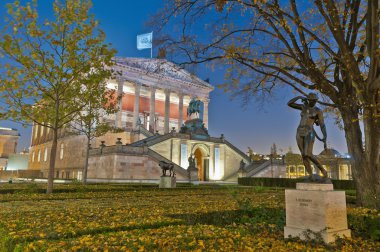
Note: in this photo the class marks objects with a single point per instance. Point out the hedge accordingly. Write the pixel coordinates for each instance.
(291, 183)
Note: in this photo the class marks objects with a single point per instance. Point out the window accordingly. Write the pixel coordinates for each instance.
(292, 169)
(42, 130)
(79, 176)
(45, 154)
(35, 130)
(39, 156)
(61, 151)
(301, 170)
(147, 121)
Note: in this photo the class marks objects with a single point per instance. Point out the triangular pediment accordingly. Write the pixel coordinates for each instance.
(162, 67)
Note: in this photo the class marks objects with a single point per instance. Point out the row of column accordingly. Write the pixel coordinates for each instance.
(152, 108)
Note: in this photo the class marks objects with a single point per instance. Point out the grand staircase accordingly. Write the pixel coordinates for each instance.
(141, 147)
(152, 140)
(251, 169)
(256, 166)
(141, 129)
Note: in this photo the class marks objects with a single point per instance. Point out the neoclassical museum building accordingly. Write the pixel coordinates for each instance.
(155, 126)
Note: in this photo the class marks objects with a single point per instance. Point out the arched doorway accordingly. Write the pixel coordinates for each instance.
(202, 163)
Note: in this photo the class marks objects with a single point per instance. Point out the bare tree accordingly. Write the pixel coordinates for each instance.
(329, 46)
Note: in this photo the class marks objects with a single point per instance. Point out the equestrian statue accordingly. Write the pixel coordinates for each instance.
(194, 107)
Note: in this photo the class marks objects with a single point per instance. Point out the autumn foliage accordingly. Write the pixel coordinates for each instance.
(145, 218)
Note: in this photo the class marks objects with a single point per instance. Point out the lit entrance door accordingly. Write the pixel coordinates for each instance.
(202, 163)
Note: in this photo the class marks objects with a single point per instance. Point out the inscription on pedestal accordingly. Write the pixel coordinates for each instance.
(317, 209)
(303, 202)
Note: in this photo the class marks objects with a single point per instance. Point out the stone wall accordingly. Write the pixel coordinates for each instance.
(124, 166)
(6, 175)
(69, 160)
(232, 161)
(8, 145)
(164, 149)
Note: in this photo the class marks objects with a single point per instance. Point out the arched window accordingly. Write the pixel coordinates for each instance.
(292, 169)
(61, 151)
(45, 154)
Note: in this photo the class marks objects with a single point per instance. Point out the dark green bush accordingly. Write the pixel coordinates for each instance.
(291, 183)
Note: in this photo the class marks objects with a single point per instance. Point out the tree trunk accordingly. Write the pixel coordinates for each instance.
(371, 196)
(53, 154)
(84, 180)
(365, 166)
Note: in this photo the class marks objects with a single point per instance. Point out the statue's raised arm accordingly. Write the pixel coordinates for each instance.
(292, 103)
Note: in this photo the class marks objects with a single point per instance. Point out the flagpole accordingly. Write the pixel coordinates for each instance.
(151, 48)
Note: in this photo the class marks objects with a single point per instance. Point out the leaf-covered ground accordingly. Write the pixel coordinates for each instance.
(145, 218)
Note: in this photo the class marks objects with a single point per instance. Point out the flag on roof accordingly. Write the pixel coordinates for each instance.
(144, 41)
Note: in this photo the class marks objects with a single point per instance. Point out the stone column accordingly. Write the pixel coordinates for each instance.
(118, 122)
(180, 111)
(136, 106)
(167, 111)
(152, 110)
(205, 112)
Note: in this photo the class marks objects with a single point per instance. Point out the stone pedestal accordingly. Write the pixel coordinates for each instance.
(193, 174)
(318, 208)
(167, 182)
(194, 126)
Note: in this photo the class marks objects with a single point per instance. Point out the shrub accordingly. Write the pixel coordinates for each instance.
(291, 183)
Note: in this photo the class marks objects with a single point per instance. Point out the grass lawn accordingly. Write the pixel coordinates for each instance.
(145, 218)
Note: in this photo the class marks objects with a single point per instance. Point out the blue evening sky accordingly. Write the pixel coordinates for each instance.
(257, 126)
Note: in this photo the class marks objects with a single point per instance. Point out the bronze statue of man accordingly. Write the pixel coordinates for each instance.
(310, 115)
(194, 107)
(191, 162)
